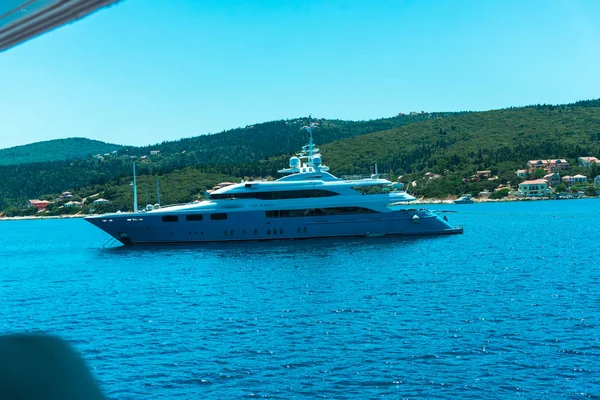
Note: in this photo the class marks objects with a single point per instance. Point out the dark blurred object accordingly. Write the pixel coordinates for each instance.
(43, 367)
(24, 19)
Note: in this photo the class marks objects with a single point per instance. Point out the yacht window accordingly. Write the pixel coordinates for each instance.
(378, 189)
(218, 216)
(170, 218)
(314, 212)
(193, 217)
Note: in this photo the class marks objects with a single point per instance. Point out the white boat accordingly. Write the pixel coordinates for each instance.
(466, 199)
(308, 202)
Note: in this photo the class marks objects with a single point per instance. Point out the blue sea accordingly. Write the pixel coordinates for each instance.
(509, 309)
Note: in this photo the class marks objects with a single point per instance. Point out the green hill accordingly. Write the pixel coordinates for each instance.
(476, 141)
(261, 140)
(238, 152)
(453, 145)
(53, 150)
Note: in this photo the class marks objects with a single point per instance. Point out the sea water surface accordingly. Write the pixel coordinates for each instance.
(509, 309)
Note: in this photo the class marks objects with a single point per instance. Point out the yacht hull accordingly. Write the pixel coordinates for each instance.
(153, 228)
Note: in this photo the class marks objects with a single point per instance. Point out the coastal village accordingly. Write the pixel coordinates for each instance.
(544, 179)
(65, 201)
(555, 182)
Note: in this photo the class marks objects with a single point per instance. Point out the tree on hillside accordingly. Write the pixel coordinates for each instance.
(561, 187)
(590, 191)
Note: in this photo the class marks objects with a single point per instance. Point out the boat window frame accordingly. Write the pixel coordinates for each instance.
(276, 194)
(320, 212)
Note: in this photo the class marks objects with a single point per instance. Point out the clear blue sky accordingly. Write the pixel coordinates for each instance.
(146, 71)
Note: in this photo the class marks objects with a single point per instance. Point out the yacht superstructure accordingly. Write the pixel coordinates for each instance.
(308, 202)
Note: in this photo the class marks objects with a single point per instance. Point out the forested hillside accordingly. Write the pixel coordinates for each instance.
(475, 141)
(232, 151)
(451, 145)
(54, 150)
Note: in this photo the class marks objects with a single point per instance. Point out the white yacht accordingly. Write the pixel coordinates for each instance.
(308, 202)
(466, 199)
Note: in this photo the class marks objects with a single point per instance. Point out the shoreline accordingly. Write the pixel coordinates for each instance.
(35, 217)
(487, 200)
(481, 200)
(417, 201)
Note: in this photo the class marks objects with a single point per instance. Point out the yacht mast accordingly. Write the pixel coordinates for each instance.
(310, 141)
(135, 207)
(157, 191)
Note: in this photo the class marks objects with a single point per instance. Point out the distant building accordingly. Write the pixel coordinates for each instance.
(154, 152)
(522, 173)
(73, 204)
(39, 204)
(553, 178)
(101, 201)
(532, 165)
(484, 174)
(568, 180)
(558, 165)
(554, 165)
(534, 188)
(66, 195)
(587, 161)
(579, 179)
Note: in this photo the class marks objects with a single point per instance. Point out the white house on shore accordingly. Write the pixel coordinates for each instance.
(568, 180)
(580, 179)
(101, 201)
(534, 188)
(73, 204)
(522, 173)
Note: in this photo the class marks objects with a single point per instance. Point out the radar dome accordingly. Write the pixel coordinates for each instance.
(316, 161)
(294, 162)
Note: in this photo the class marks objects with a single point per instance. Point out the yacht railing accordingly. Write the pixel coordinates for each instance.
(360, 177)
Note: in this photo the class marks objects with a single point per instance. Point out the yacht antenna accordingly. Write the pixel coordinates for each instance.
(157, 191)
(135, 208)
(310, 141)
